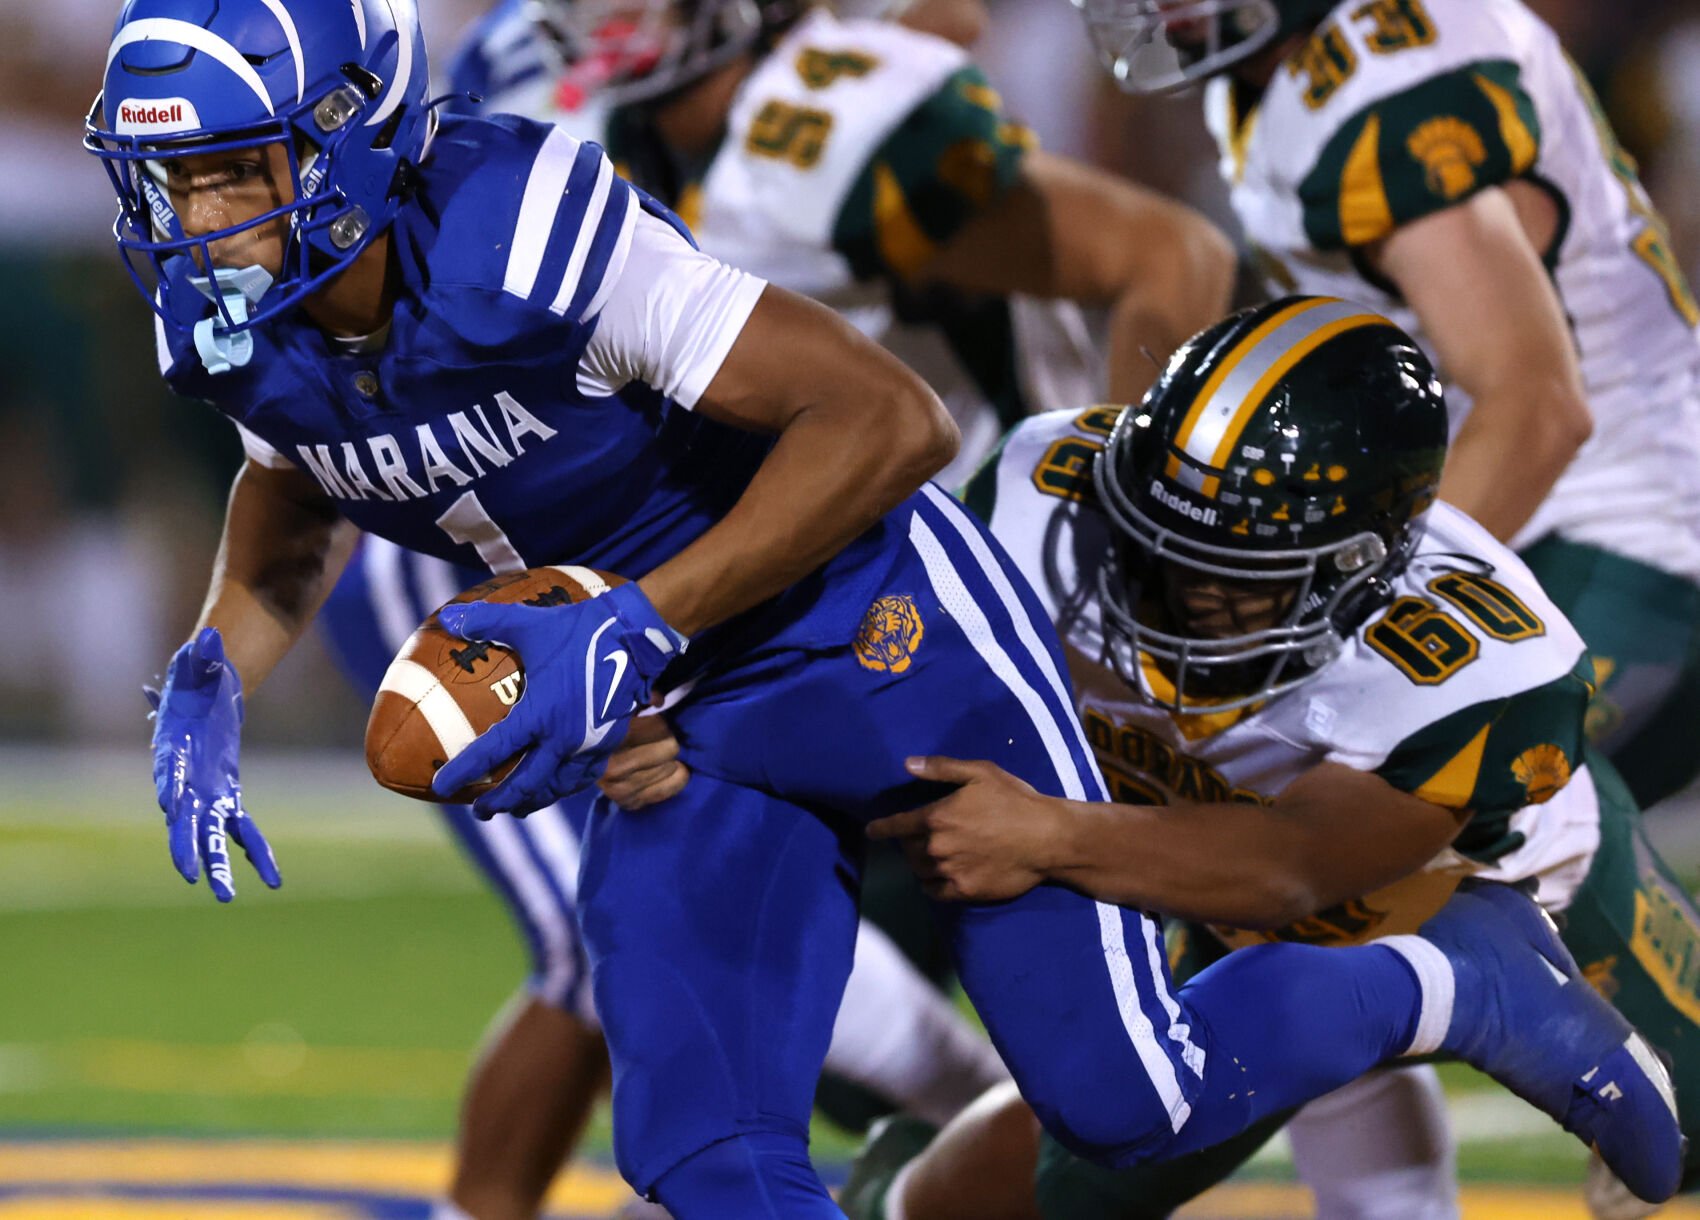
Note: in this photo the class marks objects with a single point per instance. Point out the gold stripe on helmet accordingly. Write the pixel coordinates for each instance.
(1230, 361)
(1242, 383)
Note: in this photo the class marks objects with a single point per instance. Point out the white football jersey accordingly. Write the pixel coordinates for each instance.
(851, 152)
(1398, 108)
(776, 216)
(1467, 690)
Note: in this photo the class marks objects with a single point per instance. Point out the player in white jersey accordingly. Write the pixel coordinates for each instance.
(1445, 163)
(1318, 729)
(869, 165)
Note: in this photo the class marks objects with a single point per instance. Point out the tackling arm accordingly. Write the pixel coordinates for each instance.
(1066, 230)
(1334, 834)
(284, 545)
(1473, 274)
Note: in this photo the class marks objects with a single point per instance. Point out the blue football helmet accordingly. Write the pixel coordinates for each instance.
(339, 84)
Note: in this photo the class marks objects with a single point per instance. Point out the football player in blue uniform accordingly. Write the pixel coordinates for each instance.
(544, 1066)
(468, 337)
(901, 110)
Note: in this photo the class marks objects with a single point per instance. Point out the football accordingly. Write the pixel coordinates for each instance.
(440, 692)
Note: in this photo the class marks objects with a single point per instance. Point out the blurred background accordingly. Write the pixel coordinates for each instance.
(347, 1005)
(107, 483)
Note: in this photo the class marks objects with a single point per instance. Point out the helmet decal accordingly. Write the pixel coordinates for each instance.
(169, 29)
(156, 116)
(406, 22)
(288, 24)
(1245, 377)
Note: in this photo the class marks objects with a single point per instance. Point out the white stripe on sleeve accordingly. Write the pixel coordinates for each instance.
(162, 346)
(537, 209)
(616, 261)
(959, 603)
(1180, 1033)
(587, 232)
(554, 840)
(1437, 985)
(437, 581)
(1159, 1068)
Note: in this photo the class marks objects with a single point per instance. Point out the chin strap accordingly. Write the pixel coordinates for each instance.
(235, 289)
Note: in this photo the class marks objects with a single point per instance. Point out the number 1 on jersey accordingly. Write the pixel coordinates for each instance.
(468, 524)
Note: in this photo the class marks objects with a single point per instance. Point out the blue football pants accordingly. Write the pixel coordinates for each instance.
(720, 924)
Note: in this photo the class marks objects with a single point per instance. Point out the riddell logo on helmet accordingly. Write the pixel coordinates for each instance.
(162, 114)
(1183, 506)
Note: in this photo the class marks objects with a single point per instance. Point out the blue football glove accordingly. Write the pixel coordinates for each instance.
(197, 732)
(588, 669)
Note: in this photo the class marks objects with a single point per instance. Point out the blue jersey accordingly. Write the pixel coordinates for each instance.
(468, 436)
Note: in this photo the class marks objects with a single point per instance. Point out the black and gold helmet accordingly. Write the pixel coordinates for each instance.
(1149, 46)
(1292, 448)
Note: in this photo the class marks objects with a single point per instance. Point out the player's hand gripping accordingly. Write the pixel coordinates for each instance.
(588, 668)
(645, 770)
(988, 841)
(197, 732)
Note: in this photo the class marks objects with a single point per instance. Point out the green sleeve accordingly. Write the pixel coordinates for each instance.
(1496, 757)
(952, 156)
(1420, 151)
(980, 492)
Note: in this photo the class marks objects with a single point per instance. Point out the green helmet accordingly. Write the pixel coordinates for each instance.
(1290, 450)
(1153, 45)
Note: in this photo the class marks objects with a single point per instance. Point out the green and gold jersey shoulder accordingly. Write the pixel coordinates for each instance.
(1419, 151)
(948, 160)
(1496, 757)
(1468, 688)
(1391, 110)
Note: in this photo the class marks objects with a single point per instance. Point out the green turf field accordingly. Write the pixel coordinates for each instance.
(346, 1003)
(345, 1006)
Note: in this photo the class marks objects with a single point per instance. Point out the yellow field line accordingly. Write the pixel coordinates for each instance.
(415, 1168)
(98, 1207)
(397, 1167)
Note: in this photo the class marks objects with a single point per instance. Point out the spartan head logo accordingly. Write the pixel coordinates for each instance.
(1450, 151)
